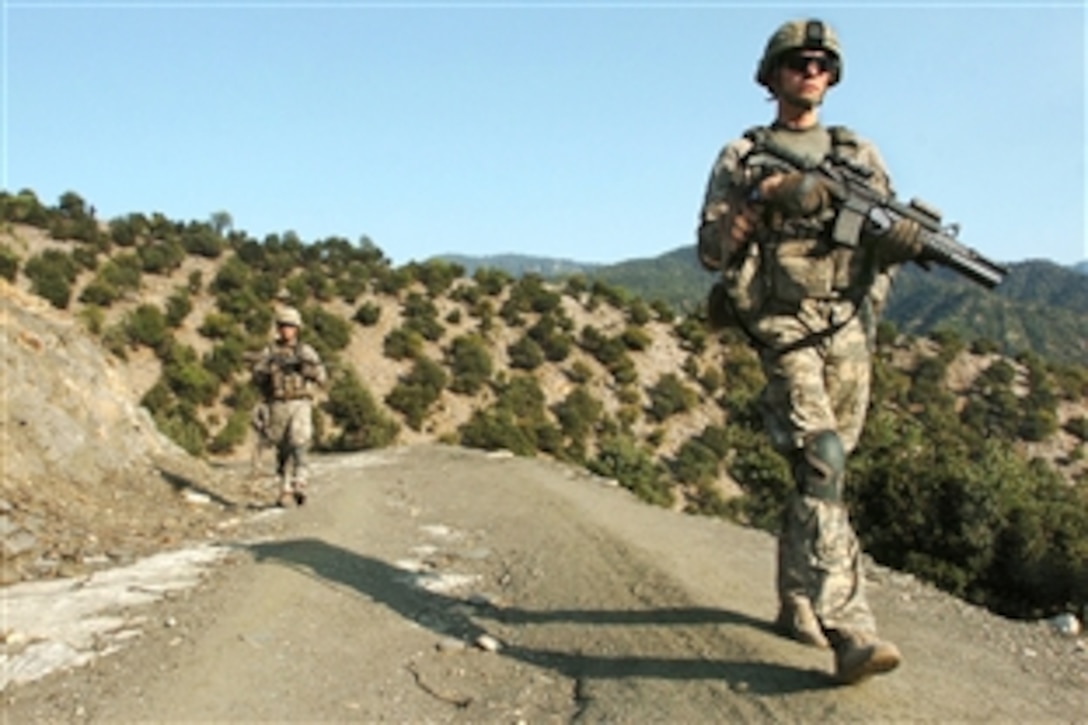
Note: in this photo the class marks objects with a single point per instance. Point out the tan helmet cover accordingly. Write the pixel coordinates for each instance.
(289, 316)
(794, 35)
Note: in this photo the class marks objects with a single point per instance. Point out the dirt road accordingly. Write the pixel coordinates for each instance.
(437, 584)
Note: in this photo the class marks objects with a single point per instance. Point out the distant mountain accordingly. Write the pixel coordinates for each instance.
(1040, 306)
(519, 264)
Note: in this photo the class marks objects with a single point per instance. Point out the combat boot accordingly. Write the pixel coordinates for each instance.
(796, 620)
(299, 493)
(859, 655)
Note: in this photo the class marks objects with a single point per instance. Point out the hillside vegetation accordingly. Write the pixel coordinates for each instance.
(970, 474)
(1040, 307)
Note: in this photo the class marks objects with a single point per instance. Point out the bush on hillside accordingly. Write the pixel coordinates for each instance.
(421, 315)
(232, 434)
(622, 458)
(669, 396)
(470, 364)
(363, 423)
(51, 274)
(178, 306)
(161, 257)
(417, 391)
(367, 314)
(146, 325)
(495, 429)
(402, 344)
(9, 263)
(525, 354)
(551, 333)
(491, 281)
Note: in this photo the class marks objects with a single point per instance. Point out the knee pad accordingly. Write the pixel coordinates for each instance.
(821, 467)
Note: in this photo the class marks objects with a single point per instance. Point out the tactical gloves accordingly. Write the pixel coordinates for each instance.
(727, 231)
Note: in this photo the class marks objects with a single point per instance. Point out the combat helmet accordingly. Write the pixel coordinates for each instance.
(288, 316)
(794, 35)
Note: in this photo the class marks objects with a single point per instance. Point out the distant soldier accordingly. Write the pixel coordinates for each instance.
(288, 372)
(809, 304)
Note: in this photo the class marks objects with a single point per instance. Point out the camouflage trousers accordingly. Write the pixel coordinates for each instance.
(289, 428)
(816, 387)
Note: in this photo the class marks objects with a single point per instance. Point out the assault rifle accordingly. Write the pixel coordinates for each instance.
(860, 205)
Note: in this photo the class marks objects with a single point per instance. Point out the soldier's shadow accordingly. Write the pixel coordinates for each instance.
(452, 616)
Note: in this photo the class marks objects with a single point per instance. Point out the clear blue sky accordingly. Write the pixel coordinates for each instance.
(582, 131)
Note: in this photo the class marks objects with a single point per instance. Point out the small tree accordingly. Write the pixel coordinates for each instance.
(470, 364)
(415, 392)
(9, 263)
(363, 423)
(52, 273)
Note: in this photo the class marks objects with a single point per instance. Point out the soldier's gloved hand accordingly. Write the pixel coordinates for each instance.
(902, 243)
(742, 223)
(796, 194)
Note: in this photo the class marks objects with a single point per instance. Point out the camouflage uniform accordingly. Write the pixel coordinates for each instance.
(810, 307)
(288, 375)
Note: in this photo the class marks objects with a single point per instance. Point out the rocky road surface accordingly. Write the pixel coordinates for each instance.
(434, 584)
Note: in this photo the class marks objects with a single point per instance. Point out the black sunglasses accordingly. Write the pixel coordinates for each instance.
(800, 62)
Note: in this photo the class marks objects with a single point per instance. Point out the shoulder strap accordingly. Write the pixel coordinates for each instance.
(844, 142)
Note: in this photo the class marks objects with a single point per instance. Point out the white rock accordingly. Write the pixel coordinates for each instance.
(488, 643)
(197, 497)
(1066, 625)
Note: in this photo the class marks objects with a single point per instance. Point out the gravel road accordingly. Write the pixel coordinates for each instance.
(434, 584)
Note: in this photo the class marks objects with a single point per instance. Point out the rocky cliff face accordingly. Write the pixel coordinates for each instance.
(87, 479)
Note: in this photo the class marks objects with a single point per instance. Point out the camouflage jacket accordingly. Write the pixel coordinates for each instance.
(289, 372)
(789, 263)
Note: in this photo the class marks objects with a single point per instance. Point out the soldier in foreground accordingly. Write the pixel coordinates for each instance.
(808, 296)
(288, 372)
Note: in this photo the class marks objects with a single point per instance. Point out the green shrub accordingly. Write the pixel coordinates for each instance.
(491, 281)
(496, 429)
(100, 293)
(178, 307)
(363, 423)
(368, 314)
(635, 338)
(218, 326)
(470, 364)
(553, 340)
(186, 377)
(415, 392)
(225, 359)
(691, 332)
(146, 325)
(161, 257)
(638, 313)
(1078, 426)
(421, 315)
(332, 330)
(525, 354)
(402, 344)
(9, 263)
(663, 311)
(232, 434)
(123, 272)
(578, 413)
(181, 425)
(579, 372)
(51, 274)
(620, 457)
